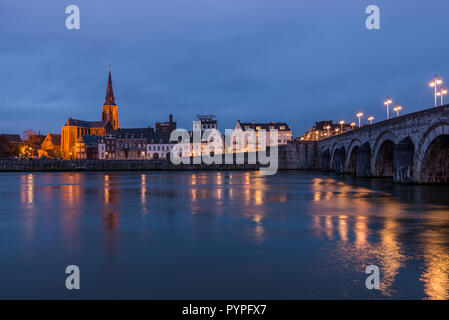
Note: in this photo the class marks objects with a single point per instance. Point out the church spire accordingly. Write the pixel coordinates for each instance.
(109, 99)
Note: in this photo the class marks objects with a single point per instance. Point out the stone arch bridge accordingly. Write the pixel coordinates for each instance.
(413, 148)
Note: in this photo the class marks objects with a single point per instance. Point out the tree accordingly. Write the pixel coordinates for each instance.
(27, 134)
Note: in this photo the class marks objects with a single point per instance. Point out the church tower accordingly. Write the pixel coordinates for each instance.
(110, 110)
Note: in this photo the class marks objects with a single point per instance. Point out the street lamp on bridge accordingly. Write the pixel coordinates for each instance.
(359, 115)
(434, 84)
(342, 122)
(441, 93)
(370, 119)
(352, 125)
(397, 109)
(387, 102)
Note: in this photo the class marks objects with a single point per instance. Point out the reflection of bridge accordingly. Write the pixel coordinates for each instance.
(411, 148)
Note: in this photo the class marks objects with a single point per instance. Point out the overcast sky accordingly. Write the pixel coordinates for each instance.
(297, 61)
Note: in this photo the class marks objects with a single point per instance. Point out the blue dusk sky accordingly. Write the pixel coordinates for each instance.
(298, 61)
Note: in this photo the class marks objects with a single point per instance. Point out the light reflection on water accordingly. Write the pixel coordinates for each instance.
(383, 244)
(342, 223)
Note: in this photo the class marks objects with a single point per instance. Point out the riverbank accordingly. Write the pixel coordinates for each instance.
(44, 165)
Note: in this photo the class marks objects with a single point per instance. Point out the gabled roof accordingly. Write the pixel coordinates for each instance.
(264, 125)
(55, 138)
(132, 133)
(90, 141)
(159, 137)
(12, 138)
(86, 124)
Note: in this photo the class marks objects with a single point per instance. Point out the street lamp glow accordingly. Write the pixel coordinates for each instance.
(370, 119)
(342, 122)
(359, 115)
(352, 125)
(328, 128)
(397, 109)
(435, 82)
(387, 102)
(441, 93)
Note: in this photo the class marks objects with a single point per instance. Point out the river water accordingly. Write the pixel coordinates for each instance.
(221, 235)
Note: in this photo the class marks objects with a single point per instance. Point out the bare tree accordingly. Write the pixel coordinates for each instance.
(27, 133)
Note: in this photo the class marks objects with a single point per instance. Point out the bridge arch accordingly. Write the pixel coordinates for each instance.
(351, 157)
(432, 156)
(338, 160)
(335, 146)
(383, 153)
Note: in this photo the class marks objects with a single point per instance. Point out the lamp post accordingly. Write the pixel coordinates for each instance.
(370, 119)
(359, 115)
(352, 125)
(342, 122)
(337, 130)
(397, 109)
(387, 102)
(441, 93)
(328, 128)
(434, 84)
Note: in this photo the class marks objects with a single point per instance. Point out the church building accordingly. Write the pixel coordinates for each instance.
(73, 130)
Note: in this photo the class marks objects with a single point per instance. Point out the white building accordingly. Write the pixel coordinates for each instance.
(159, 145)
(284, 134)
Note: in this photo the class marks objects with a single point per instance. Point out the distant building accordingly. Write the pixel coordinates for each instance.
(325, 129)
(10, 145)
(33, 144)
(51, 146)
(86, 147)
(159, 145)
(131, 143)
(166, 126)
(284, 133)
(12, 138)
(125, 144)
(205, 122)
(74, 129)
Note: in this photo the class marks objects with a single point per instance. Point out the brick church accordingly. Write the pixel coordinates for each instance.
(73, 129)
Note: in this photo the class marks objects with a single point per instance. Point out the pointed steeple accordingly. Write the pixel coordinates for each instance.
(109, 99)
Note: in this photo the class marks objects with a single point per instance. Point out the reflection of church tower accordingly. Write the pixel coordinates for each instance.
(110, 112)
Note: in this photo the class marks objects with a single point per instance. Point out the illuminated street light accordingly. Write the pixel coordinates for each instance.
(397, 109)
(352, 125)
(370, 119)
(359, 115)
(342, 122)
(434, 84)
(337, 130)
(387, 102)
(328, 128)
(441, 93)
